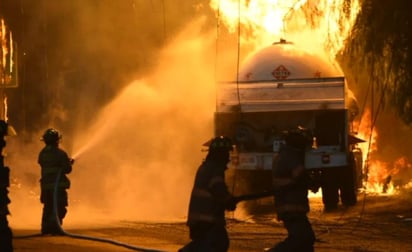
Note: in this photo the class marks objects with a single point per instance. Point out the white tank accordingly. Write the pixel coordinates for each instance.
(283, 60)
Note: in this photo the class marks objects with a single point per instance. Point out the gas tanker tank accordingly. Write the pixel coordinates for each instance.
(284, 61)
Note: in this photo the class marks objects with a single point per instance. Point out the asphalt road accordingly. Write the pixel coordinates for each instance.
(377, 223)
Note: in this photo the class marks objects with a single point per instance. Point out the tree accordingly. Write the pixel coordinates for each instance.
(380, 46)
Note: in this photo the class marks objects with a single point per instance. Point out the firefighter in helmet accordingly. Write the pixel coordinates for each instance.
(209, 200)
(291, 183)
(55, 164)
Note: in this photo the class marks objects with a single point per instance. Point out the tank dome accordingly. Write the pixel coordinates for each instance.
(283, 60)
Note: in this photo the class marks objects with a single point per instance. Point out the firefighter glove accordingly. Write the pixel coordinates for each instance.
(230, 204)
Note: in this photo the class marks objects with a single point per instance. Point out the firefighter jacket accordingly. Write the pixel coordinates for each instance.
(54, 160)
(292, 198)
(210, 196)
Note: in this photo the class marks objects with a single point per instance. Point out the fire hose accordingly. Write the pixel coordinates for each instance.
(117, 243)
(85, 237)
(254, 196)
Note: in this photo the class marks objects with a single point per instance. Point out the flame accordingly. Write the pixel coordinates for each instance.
(7, 65)
(378, 178)
(319, 24)
(11, 53)
(258, 17)
(375, 171)
(4, 48)
(7, 53)
(368, 133)
(378, 174)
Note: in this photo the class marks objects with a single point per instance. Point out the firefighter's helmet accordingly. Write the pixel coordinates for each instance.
(51, 136)
(220, 143)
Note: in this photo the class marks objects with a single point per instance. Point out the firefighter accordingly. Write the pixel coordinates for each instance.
(209, 200)
(55, 164)
(290, 184)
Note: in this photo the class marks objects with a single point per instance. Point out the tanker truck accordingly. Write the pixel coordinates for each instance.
(281, 88)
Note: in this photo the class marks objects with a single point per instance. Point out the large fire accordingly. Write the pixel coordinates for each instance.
(379, 175)
(376, 172)
(315, 24)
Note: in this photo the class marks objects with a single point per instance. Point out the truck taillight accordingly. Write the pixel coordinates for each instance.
(325, 158)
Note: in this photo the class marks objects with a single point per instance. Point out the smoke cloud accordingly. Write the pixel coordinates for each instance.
(137, 159)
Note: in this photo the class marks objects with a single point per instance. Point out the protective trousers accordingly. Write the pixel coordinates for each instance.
(300, 234)
(50, 224)
(207, 237)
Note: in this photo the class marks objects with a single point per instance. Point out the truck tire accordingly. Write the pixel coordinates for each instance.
(349, 184)
(330, 189)
(339, 183)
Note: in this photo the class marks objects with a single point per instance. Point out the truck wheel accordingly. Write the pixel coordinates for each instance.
(330, 190)
(348, 186)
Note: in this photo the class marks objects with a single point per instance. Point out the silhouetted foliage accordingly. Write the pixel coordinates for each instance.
(380, 47)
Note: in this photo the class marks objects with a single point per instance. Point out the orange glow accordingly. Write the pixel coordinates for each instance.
(322, 27)
(259, 18)
(379, 174)
(364, 128)
(4, 49)
(11, 53)
(7, 52)
(315, 24)
(5, 74)
(142, 149)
